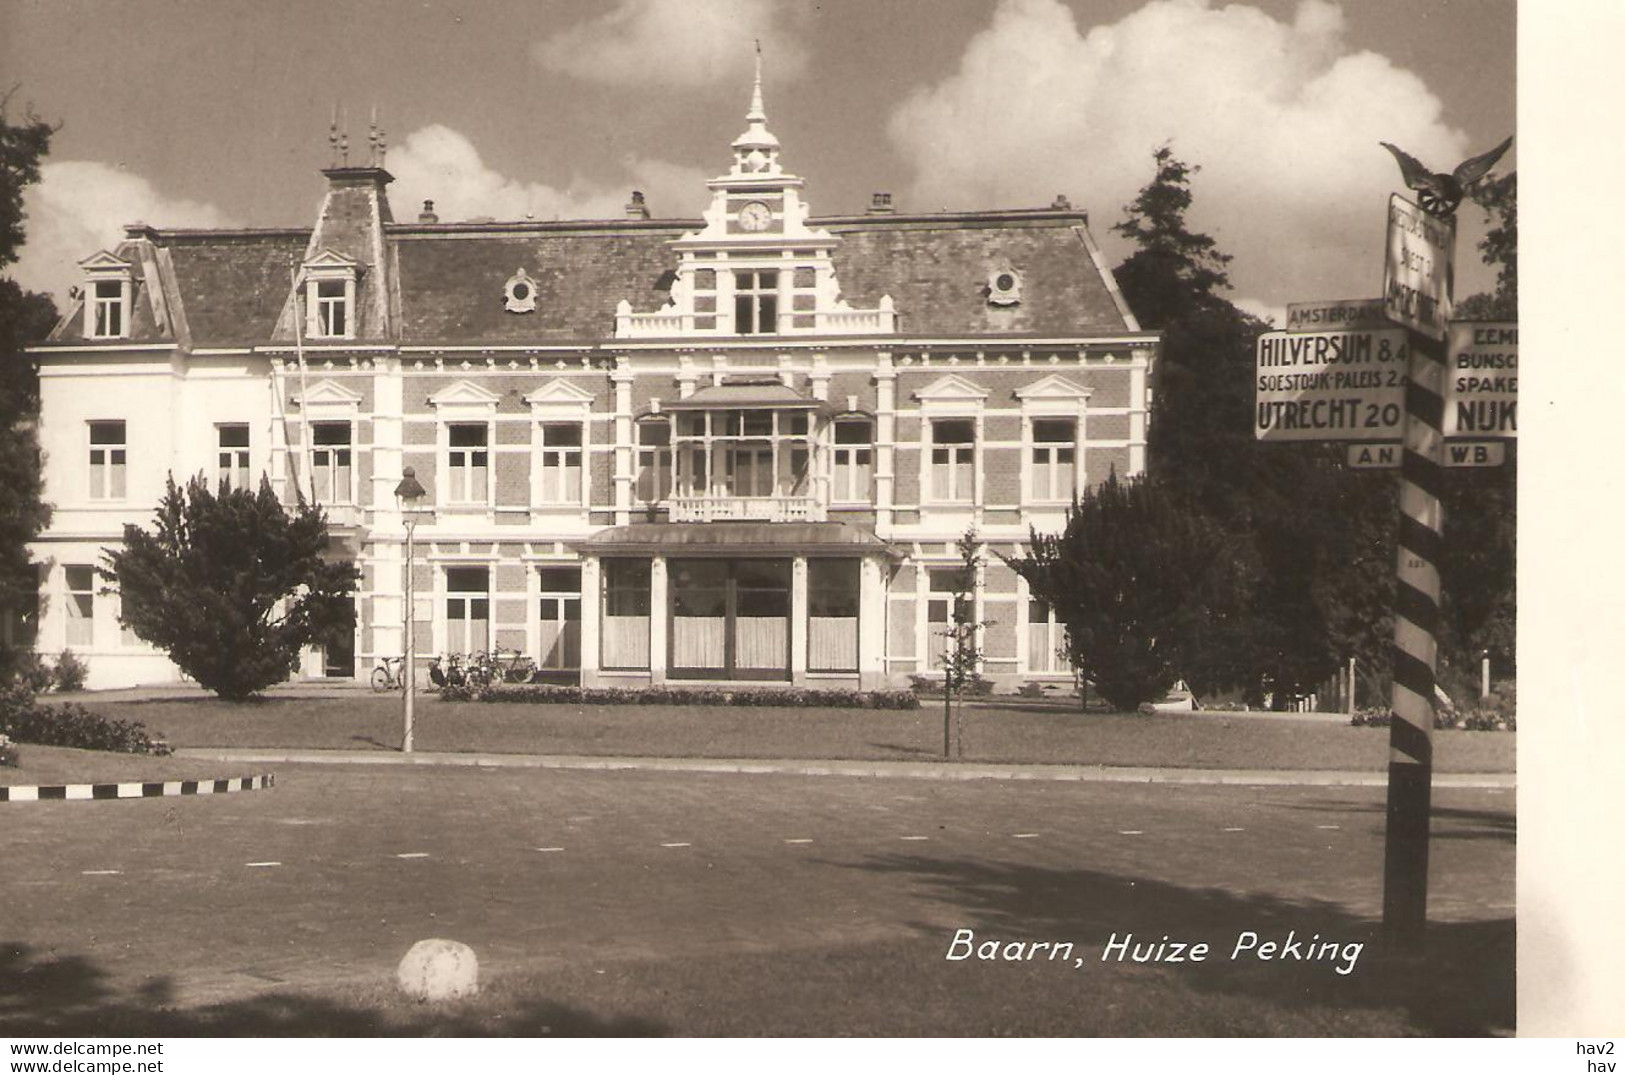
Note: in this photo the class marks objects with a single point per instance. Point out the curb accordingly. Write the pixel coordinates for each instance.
(1100, 774)
(153, 789)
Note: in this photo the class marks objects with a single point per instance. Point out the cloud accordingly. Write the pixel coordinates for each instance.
(439, 163)
(678, 43)
(79, 207)
(1282, 118)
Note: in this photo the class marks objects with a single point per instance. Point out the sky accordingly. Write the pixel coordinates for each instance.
(216, 112)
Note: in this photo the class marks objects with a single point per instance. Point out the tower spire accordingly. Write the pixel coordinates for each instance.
(756, 150)
(757, 113)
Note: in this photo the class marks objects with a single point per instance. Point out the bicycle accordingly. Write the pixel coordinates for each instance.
(390, 675)
(517, 668)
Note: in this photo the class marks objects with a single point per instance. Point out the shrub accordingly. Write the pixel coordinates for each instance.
(32, 674)
(8, 753)
(977, 686)
(70, 725)
(70, 672)
(784, 697)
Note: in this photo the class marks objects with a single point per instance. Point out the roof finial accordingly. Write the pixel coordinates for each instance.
(333, 137)
(757, 113)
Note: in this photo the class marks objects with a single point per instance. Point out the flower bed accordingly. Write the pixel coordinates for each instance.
(70, 725)
(779, 697)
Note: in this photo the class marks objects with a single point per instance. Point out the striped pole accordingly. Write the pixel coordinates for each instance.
(1415, 653)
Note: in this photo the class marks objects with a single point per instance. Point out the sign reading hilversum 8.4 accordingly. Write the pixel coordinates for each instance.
(1331, 386)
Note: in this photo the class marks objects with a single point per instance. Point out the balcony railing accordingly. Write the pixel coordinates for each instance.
(765, 509)
(835, 322)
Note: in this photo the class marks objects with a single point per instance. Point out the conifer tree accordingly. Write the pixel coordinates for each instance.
(231, 585)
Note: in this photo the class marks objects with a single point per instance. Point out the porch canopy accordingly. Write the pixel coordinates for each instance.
(752, 396)
(734, 538)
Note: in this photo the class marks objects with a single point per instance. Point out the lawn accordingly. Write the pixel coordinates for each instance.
(63, 765)
(1015, 731)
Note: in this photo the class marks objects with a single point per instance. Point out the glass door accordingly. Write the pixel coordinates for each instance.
(730, 619)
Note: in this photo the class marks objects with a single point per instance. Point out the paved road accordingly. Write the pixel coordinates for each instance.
(329, 877)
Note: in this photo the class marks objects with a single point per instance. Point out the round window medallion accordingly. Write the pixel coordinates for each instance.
(1004, 287)
(519, 293)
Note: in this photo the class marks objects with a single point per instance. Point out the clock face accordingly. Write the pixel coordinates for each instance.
(755, 216)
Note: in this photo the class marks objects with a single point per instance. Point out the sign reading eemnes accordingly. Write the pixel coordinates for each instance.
(1330, 386)
(1481, 385)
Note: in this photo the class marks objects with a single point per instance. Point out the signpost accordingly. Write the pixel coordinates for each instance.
(1481, 392)
(1321, 386)
(1338, 314)
(1416, 287)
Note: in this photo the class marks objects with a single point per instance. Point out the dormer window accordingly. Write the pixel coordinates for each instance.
(330, 286)
(108, 290)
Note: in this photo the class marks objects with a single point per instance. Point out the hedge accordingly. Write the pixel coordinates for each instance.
(71, 725)
(785, 697)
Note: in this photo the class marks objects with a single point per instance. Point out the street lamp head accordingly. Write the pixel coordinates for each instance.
(410, 491)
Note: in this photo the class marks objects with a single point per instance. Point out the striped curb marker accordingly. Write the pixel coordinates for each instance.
(154, 789)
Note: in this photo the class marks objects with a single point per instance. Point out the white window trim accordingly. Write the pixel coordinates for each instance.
(91, 492)
(327, 402)
(108, 268)
(318, 418)
(951, 397)
(323, 268)
(464, 403)
(838, 496)
(560, 402)
(250, 484)
(1053, 397)
(665, 453)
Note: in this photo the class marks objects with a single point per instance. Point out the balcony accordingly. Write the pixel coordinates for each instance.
(764, 509)
(838, 321)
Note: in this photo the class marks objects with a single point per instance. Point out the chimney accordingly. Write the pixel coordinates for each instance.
(636, 209)
(428, 216)
(880, 204)
(1062, 202)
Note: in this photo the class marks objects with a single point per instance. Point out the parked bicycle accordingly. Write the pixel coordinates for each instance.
(390, 675)
(511, 666)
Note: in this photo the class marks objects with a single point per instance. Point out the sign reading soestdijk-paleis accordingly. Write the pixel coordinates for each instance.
(1330, 386)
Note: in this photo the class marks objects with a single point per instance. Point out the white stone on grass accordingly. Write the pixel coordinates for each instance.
(438, 969)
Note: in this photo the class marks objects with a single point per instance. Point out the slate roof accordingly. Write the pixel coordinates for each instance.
(229, 287)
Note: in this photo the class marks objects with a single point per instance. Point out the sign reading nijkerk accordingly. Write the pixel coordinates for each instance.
(1330, 386)
(1481, 381)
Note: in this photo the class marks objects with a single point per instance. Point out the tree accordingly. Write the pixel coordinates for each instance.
(231, 585)
(1143, 582)
(962, 652)
(25, 317)
(1173, 268)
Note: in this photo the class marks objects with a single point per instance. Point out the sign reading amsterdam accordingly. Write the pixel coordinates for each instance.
(1331, 385)
(1416, 282)
(1326, 316)
(1481, 382)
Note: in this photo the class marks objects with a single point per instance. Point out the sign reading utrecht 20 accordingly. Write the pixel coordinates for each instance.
(1331, 386)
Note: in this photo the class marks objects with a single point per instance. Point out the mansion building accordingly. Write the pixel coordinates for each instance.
(739, 449)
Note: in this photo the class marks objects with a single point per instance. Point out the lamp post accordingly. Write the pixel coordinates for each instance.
(409, 493)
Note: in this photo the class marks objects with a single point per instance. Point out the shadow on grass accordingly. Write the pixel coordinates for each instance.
(1464, 985)
(50, 995)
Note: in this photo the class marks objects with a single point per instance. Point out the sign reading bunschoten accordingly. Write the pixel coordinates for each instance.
(1330, 386)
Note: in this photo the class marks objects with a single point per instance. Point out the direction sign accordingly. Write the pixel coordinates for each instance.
(1472, 454)
(1416, 280)
(1481, 384)
(1375, 456)
(1336, 314)
(1330, 386)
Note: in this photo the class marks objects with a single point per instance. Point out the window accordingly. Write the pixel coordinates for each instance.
(108, 316)
(832, 615)
(468, 609)
(469, 462)
(560, 619)
(560, 462)
(756, 302)
(1053, 458)
(107, 471)
(81, 580)
(233, 458)
(853, 472)
(331, 462)
(626, 614)
(331, 308)
(944, 583)
(953, 459)
(1046, 639)
(654, 461)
